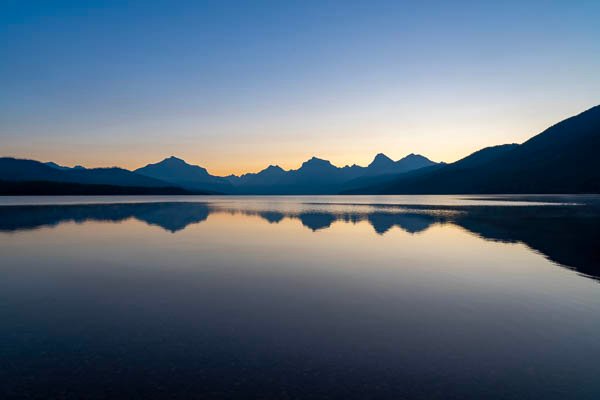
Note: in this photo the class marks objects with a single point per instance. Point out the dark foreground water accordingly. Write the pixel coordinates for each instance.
(430, 297)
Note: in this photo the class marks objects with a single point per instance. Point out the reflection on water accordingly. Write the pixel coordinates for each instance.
(568, 235)
(311, 298)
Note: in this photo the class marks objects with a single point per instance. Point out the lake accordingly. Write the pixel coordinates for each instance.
(313, 297)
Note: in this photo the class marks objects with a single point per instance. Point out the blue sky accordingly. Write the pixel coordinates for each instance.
(237, 85)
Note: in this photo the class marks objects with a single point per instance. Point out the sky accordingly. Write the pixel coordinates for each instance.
(237, 85)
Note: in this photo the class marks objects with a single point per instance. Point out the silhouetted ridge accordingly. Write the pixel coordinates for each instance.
(62, 167)
(484, 156)
(12, 169)
(381, 162)
(319, 176)
(267, 177)
(317, 164)
(561, 159)
(273, 169)
(315, 176)
(178, 172)
(56, 166)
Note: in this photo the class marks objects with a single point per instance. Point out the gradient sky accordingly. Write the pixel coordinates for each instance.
(237, 85)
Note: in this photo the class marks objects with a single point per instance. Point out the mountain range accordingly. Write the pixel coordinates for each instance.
(315, 176)
(175, 176)
(561, 159)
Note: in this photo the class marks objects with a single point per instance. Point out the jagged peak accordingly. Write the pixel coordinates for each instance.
(173, 163)
(273, 168)
(270, 169)
(316, 161)
(174, 159)
(381, 156)
(381, 160)
(414, 156)
(352, 166)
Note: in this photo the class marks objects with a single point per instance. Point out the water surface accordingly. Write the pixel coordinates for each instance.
(300, 297)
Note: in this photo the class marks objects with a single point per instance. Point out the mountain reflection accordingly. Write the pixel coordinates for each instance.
(564, 234)
(172, 217)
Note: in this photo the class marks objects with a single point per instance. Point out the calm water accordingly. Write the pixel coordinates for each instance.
(387, 297)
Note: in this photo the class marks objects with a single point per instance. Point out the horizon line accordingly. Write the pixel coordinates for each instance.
(233, 174)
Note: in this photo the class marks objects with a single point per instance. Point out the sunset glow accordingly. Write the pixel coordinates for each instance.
(235, 88)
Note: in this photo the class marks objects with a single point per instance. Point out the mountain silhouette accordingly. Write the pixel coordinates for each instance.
(61, 167)
(483, 156)
(178, 172)
(271, 175)
(319, 176)
(380, 171)
(317, 173)
(13, 169)
(475, 160)
(412, 162)
(315, 176)
(56, 166)
(381, 162)
(562, 159)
